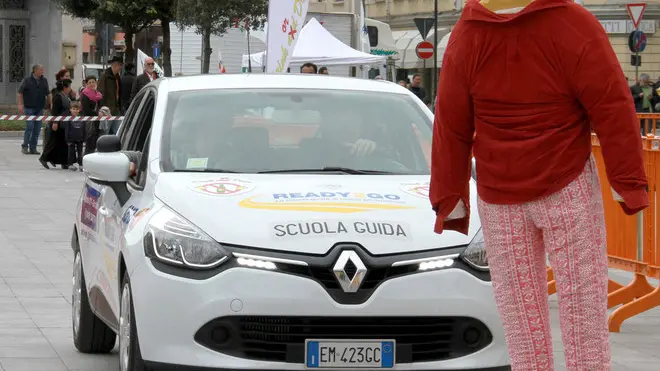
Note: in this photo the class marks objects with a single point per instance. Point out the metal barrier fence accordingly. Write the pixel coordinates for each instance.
(632, 241)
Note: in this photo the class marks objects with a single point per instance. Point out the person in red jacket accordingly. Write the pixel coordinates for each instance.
(530, 79)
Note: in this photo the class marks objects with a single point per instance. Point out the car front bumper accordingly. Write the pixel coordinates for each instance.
(169, 311)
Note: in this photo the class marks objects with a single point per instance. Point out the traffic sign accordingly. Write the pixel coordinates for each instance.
(424, 25)
(424, 50)
(637, 41)
(636, 12)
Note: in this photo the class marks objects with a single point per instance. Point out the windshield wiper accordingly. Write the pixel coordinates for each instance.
(332, 169)
(206, 171)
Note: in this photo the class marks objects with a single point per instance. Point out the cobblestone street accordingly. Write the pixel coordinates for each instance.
(36, 218)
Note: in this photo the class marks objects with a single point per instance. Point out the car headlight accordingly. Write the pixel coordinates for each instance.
(475, 253)
(174, 240)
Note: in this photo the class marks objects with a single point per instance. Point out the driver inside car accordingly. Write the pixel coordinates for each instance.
(346, 130)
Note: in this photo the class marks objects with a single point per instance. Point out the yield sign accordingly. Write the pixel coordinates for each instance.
(636, 12)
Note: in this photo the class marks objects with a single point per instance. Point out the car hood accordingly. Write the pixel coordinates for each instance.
(310, 213)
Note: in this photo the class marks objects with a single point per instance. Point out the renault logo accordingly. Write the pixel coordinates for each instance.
(349, 271)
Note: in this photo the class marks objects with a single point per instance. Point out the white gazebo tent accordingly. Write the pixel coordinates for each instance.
(318, 46)
(406, 42)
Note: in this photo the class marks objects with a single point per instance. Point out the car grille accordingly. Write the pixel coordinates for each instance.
(325, 276)
(282, 339)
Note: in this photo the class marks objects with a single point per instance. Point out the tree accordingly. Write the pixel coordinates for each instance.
(215, 17)
(165, 11)
(131, 16)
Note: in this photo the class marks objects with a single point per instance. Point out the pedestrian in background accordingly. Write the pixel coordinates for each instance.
(61, 75)
(55, 149)
(309, 68)
(127, 82)
(90, 100)
(148, 75)
(644, 95)
(324, 71)
(33, 97)
(417, 88)
(646, 98)
(75, 134)
(110, 88)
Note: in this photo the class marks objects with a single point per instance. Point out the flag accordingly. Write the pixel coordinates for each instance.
(221, 67)
(285, 20)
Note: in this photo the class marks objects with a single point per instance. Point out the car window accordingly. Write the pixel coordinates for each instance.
(138, 139)
(263, 130)
(130, 120)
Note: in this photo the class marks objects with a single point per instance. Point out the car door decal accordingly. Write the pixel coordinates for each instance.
(128, 214)
(90, 207)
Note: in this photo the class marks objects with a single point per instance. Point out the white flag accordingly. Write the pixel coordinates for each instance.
(141, 57)
(285, 20)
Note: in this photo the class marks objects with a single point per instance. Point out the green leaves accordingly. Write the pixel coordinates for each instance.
(220, 15)
(131, 15)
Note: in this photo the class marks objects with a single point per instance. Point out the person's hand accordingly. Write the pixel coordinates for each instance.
(132, 168)
(641, 95)
(21, 109)
(363, 147)
(55, 126)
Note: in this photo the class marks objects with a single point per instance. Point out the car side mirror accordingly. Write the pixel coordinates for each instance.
(109, 167)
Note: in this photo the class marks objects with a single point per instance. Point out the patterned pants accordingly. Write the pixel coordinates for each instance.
(569, 226)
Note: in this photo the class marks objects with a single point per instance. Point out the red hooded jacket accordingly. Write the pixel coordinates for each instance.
(531, 85)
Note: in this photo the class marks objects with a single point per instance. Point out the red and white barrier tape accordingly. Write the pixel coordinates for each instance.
(58, 118)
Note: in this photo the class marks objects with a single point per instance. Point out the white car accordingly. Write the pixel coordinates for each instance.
(276, 222)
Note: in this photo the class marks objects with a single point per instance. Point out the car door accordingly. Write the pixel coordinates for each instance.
(109, 229)
(117, 218)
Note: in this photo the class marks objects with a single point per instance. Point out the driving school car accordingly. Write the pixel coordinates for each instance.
(282, 264)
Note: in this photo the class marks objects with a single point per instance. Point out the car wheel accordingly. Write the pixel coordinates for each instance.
(90, 334)
(130, 358)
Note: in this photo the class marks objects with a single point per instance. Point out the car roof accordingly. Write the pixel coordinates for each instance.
(277, 81)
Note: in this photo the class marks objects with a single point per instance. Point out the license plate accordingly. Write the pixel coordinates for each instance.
(349, 354)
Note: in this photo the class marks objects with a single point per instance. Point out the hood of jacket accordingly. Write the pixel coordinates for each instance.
(507, 10)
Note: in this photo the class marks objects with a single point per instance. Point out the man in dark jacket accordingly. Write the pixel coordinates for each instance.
(148, 75)
(33, 97)
(126, 86)
(110, 87)
(417, 88)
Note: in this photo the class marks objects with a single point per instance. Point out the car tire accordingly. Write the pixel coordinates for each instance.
(130, 357)
(90, 334)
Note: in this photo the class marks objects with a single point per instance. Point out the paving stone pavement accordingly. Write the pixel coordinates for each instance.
(36, 218)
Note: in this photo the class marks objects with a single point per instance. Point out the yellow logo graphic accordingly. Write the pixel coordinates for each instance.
(320, 206)
(221, 188)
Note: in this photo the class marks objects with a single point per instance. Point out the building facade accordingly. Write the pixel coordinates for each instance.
(399, 14)
(34, 31)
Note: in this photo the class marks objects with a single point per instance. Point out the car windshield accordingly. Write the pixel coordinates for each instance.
(297, 131)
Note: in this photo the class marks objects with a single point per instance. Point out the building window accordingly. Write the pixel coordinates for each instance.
(12, 4)
(16, 53)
